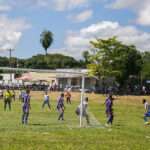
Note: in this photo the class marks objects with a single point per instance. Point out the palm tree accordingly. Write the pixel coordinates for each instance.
(46, 39)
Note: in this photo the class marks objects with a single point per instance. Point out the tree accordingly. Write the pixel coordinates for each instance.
(145, 73)
(52, 61)
(111, 58)
(46, 39)
(85, 55)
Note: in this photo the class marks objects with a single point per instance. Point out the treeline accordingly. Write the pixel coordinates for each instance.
(107, 58)
(111, 58)
(49, 61)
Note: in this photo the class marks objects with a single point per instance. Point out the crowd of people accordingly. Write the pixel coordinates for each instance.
(81, 110)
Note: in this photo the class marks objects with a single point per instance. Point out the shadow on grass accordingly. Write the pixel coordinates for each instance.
(38, 124)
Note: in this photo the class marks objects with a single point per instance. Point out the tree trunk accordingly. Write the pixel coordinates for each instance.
(46, 52)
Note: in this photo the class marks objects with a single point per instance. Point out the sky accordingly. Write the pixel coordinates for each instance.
(73, 22)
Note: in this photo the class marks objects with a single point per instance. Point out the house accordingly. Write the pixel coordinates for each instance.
(63, 79)
(74, 80)
(8, 79)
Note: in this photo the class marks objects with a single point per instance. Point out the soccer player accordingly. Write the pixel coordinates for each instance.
(84, 110)
(61, 106)
(13, 94)
(46, 101)
(21, 94)
(147, 111)
(68, 96)
(7, 99)
(26, 107)
(109, 110)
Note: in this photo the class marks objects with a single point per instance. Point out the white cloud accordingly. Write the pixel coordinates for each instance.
(62, 5)
(144, 15)
(5, 8)
(119, 4)
(140, 7)
(77, 42)
(11, 31)
(81, 17)
(59, 5)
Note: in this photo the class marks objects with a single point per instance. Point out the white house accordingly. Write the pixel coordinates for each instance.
(8, 79)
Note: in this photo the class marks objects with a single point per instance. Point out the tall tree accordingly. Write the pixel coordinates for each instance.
(145, 73)
(110, 58)
(85, 55)
(46, 39)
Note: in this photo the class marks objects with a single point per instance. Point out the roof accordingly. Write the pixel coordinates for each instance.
(79, 72)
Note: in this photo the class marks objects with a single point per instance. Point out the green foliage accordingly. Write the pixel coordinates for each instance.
(4, 61)
(51, 61)
(145, 73)
(46, 39)
(112, 58)
(86, 55)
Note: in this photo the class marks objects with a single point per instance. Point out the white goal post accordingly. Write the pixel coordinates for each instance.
(62, 72)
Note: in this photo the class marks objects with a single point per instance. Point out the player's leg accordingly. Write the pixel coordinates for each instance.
(61, 114)
(87, 118)
(146, 117)
(48, 104)
(9, 104)
(111, 119)
(26, 117)
(23, 117)
(43, 105)
(5, 104)
(69, 99)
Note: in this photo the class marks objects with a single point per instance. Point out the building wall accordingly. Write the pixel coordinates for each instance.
(69, 82)
(6, 79)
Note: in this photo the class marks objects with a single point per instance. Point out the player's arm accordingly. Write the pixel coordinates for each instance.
(29, 102)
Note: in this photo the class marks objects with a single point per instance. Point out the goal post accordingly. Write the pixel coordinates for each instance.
(82, 99)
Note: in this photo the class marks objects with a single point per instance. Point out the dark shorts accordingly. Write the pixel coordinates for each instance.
(147, 114)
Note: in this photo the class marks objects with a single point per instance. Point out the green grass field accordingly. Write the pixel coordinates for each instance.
(44, 132)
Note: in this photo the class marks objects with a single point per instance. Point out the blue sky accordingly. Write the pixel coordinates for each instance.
(74, 24)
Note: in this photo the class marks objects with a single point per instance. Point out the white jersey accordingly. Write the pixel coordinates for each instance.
(85, 105)
(46, 97)
(147, 107)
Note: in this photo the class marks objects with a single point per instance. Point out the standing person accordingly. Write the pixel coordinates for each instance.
(109, 110)
(61, 106)
(7, 99)
(147, 111)
(84, 110)
(68, 96)
(26, 107)
(21, 94)
(13, 94)
(144, 90)
(46, 100)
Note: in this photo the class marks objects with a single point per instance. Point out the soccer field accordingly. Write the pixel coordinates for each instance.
(45, 132)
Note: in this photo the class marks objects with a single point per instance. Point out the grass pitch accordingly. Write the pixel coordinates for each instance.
(45, 132)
